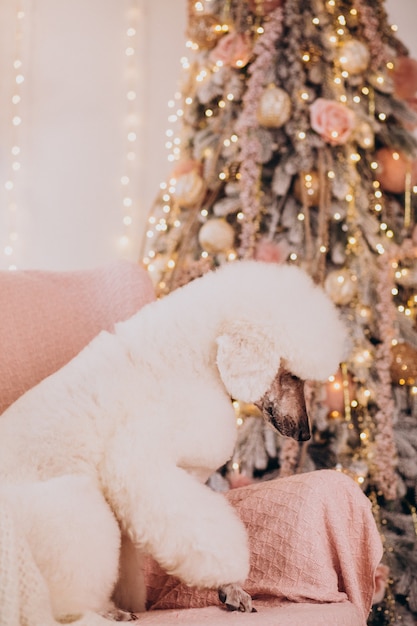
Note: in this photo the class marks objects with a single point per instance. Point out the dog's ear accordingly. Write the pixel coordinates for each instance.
(246, 360)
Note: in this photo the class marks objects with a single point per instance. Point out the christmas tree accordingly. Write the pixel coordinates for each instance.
(294, 143)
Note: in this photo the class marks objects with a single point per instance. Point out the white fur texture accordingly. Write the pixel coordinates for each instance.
(143, 416)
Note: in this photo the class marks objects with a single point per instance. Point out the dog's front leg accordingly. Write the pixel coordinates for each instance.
(193, 532)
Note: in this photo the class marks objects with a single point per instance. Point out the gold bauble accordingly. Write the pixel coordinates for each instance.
(216, 236)
(354, 56)
(274, 108)
(404, 364)
(190, 189)
(341, 286)
(364, 135)
(204, 30)
(365, 313)
(307, 185)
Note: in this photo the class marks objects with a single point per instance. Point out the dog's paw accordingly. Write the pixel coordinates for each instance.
(117, 615)
(235, 598)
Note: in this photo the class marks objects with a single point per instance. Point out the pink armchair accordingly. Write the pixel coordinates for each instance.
(314, 543)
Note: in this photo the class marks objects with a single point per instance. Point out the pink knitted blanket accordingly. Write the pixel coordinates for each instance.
(313, 539)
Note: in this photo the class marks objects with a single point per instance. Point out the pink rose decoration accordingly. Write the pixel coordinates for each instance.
(332, 120)
(271, 252)
(404, 76)
(233, 50)
(381, 581)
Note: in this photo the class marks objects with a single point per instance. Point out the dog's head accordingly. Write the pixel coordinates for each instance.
(284, 406)
(251, 370)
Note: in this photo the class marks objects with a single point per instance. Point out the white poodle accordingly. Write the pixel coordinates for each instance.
(119, 442)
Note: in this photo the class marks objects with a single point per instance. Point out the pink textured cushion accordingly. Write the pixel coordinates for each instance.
(313, 539)
(48, 317)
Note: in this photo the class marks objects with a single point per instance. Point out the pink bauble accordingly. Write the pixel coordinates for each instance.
(392, 169)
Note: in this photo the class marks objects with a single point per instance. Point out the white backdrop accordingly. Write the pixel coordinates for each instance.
(72, 136)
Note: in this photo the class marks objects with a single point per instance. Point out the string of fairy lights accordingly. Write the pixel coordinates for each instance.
(131, 127)
(12, 214)
(13, 164)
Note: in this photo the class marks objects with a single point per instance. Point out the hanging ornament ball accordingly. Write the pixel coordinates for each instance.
(216, 236)
(392, 168)
(263, 7)
(190, 189)
(364, 135)
(354, 56)
(204, 30)
(274, 108)
(307, 188)
(404, 364)
(341, 286)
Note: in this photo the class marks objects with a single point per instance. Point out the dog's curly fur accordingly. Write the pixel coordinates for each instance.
(132, 426)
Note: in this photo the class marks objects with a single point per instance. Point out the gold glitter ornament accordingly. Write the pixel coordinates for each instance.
(364, 135)
(307, 188)
(216, 236)
(274, 108)
(190, 189)
(341, 286)
(204, 30)
(354, 56)
(404, 364)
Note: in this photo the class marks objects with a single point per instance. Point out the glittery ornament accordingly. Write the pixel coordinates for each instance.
(365, 313)
(189, 189)
(404, 364)
(354, 56)
(216, 236)
(341, 286)
(307, 186)
(204, 30)
(274, 108)
(364, 135)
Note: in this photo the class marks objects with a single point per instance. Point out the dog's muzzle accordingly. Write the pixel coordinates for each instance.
(283, 405)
